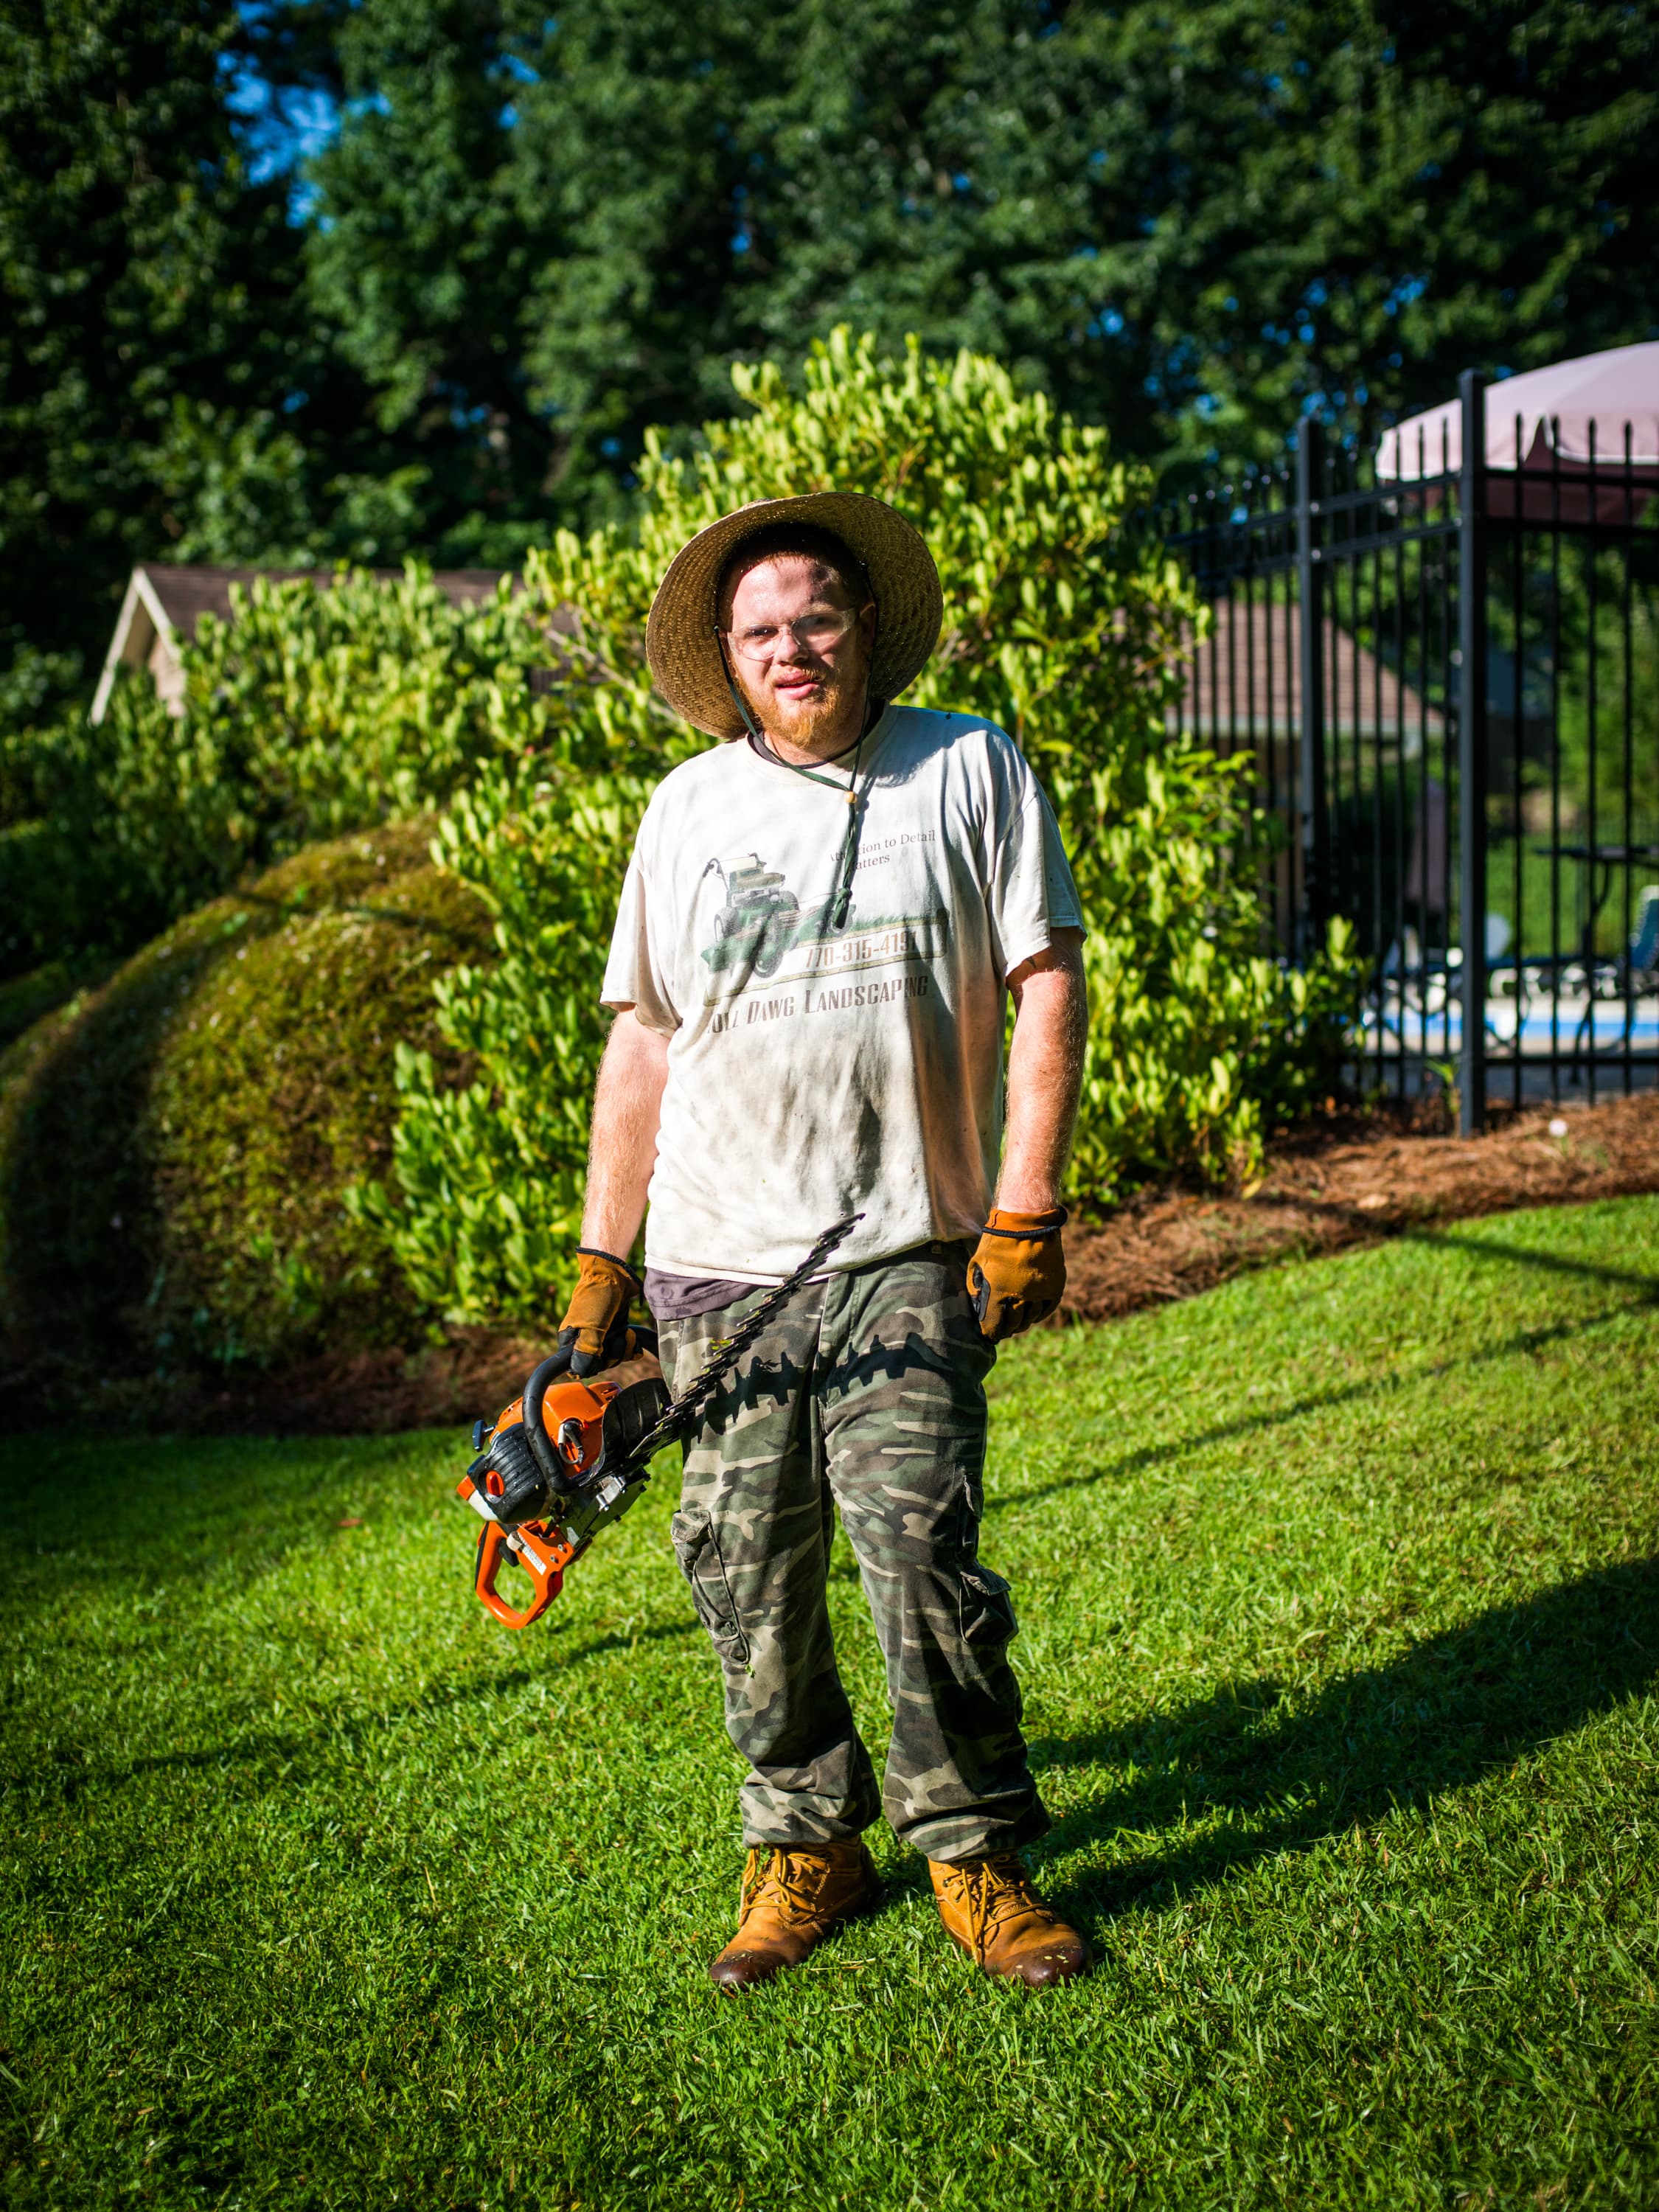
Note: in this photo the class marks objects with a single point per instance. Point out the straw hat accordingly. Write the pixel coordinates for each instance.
(681, 638)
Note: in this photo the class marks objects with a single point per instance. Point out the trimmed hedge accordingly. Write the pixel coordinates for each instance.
(175, 1147)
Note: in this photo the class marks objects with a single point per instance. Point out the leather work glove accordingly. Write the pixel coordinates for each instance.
(594, 1333)
(1017, 1271)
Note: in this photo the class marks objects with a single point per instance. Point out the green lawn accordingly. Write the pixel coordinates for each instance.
(1341, 1593)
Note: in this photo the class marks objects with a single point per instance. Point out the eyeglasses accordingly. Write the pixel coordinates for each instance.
(815, 633)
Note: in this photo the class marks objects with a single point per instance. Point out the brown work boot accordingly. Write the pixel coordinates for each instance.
(991, 1911)
(788, 1905)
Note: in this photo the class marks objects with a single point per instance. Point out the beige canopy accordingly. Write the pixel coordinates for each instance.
(1547, 425)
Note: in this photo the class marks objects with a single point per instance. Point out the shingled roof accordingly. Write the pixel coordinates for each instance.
(165, 601)
(1245, 680)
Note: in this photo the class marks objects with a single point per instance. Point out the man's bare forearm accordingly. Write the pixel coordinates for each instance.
(1045, 1074)
(622, 1148)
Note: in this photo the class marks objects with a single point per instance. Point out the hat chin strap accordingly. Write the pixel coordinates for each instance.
(739, 701)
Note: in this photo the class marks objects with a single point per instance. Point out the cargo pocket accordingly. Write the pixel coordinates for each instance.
(988, 1608)
(698, 1554)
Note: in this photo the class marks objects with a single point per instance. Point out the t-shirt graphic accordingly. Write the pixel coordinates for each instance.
(762, 928)
(833, 1048)
(761, 919)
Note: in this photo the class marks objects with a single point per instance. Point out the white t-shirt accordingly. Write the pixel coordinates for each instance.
(817, 1071)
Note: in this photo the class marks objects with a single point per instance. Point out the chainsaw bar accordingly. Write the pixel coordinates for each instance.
(725, 1352)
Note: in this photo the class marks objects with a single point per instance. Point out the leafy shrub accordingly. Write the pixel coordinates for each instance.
(1062, 623)
(1198, 1042)
(204, 1154)
(174, 1147)
(486, 1201)
(107, 835)
(315, 711)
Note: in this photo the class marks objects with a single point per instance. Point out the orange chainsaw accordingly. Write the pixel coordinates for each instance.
(570, 1445)
(572, 1454)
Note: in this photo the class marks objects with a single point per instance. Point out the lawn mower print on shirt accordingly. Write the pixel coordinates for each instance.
(760, 924)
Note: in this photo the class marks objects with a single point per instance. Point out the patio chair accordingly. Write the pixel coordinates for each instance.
(1631, 977)
(1506, 978)
(1642, 963)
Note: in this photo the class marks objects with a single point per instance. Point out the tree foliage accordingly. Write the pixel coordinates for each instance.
(534, 236)
(1188, 223)
(150, 320)
(1343, 206)
(168, 387)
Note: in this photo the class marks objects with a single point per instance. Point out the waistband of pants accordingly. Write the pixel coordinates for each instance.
(687, 1297)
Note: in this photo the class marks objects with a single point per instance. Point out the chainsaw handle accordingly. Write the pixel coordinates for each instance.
(542, 1554)
(554, 1366)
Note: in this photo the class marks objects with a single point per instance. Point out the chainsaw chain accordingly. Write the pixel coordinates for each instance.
(725, 1352)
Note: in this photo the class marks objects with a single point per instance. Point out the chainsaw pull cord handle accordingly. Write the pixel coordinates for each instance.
(535, 1427)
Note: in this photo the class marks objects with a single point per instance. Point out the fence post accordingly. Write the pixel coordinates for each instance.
(1310, 586)
(1471, 749)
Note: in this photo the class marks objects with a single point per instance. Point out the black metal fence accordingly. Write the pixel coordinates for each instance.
(1446, 675)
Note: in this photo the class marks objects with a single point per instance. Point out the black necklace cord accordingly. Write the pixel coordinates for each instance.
(847, 865)
(855, 805)
(850, 851)
(737, 699)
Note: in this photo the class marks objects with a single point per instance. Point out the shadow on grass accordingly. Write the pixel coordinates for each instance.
(1556, 1263)
(1321, 1402)
(1368, 1230)
(270, 1757)
(1270, 1775)
(124, 1513)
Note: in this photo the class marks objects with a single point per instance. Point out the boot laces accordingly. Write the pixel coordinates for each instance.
(996, 1890)
(788, 1882)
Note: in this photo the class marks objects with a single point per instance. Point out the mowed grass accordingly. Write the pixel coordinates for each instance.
(1340, 1603)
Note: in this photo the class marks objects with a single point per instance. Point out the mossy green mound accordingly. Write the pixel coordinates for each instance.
(175, 1147)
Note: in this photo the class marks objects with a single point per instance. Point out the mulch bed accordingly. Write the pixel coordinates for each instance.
(1342, 1180)
(473, 1371)
(1348, 1180)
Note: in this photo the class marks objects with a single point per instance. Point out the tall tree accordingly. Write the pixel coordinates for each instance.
(621, 199)
(1339, 206)
(1191, 221)
(162, 390)
(534, 235)
(419, 263)
(525, 232)
(135, 271)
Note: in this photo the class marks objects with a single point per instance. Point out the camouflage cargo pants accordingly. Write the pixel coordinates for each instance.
(866, 1392)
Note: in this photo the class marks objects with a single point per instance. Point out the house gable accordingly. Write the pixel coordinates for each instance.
(165, 600)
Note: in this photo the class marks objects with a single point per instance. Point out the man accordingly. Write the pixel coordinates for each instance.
(820, 921)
